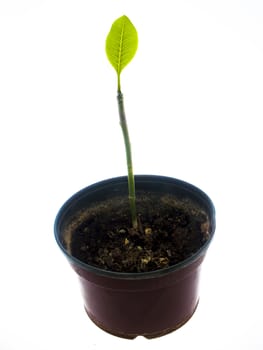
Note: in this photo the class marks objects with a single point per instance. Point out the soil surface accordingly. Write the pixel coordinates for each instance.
(170, 230)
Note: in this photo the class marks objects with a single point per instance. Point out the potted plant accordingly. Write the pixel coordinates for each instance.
(136, 242)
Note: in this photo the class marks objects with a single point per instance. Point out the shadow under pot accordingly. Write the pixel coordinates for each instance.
(145, 281)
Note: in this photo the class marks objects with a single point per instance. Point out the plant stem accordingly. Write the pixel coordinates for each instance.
(131, 182)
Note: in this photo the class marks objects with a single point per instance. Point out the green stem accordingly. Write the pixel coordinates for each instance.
(131, 182)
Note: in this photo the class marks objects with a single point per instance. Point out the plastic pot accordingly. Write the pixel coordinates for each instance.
(131, 304)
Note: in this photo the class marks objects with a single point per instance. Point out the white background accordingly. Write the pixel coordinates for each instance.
(193, 97)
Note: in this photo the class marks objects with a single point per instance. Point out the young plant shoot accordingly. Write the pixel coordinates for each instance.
(121, 46)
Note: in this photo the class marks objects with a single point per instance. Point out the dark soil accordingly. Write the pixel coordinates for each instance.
(170, 231)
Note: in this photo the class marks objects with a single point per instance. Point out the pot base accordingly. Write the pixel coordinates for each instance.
(146, 335)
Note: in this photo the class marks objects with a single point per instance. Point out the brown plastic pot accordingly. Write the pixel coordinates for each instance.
(132, 304)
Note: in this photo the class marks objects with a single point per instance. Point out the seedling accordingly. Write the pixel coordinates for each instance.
(121, 46)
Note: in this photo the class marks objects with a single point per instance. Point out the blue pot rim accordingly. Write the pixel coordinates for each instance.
(185, 186)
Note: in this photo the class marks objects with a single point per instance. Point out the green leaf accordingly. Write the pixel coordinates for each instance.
(121, 44)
